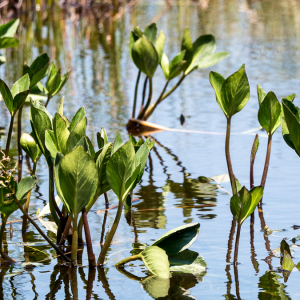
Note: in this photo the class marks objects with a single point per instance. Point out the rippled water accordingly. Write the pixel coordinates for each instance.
(175, 187)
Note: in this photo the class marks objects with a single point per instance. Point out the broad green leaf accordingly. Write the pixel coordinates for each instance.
(269, 113)
(29, 145)
(287, 262)
(159, 45)
(156, 261)
(39, 63)
(50, 143)
(187, 45)
(244, 203)
(77, 176)
(187, 261)
(38, 76)
(144, 56)
(10, 206)
(61, 106)
(132, 39)
(8, 42)
(204, 46)
(165, 65)
(298, 266)
(20, 86)
(254, 148)
(51, 77)
(292, 119)
(84, 144)
(19, 100)
(40, 122)
(216, 81)
(133, 140)
(102, 138)
(77, 133)
(156, 287)
(7, 96)
(261, 94)
(284, 246)
(212, 59)
(177, 59)
(235, 93)
(61, 132)
(290, 97)
(91, 147)
(117, 143)
(177, 69)
(151, 32)
(178, 239)
(78, 116)
(286, 134)
(25, 186)
(9, 29)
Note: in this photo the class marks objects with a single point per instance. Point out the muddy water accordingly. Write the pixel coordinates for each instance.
(176, 187)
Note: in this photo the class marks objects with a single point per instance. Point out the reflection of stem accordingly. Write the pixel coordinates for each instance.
(74, 288)
(253, 255)
(237, 241)
(89, 245)
(9, 134)
(136, 237)
(4, 219)
(267, 162)
(90, 281)
(230, 239)
(237, 284)
(103, 279)
(229, 282)
(39, 229)
(135, 93)
(128, 274)
(110, 235)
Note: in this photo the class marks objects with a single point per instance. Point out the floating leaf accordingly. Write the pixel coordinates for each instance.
(156, 287)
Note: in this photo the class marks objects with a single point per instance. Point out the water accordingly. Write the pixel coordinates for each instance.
(262, 34)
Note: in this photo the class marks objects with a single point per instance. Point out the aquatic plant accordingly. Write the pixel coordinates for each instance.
(170, 253)
(146, 49)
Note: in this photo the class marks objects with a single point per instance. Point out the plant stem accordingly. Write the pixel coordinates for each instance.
(152, 108)
(228, 159)
(52, 203)
(106, 201)
(40, 230)
(26, 207)
(142, 113)
(135, 93)
(4, 220)
(173, 88)
(237, 241)
(48, 99)
(91, 255)
(110, 235)
(20, 132)
(252, 159)
(128, 259)
(74, 242)
(9, 134)
(267, 162)
(66, 231)
(144, 92)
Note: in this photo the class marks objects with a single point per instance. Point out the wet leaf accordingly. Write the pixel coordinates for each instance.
(287, 262)
(156, 287)
(156, 261)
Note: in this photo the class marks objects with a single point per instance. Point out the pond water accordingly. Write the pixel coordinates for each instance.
(176, 188)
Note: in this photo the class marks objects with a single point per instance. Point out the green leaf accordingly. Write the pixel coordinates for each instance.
(156, 261)
(77, 176)
(261, 94)
(178, 239)
(287, 262)
(39, 63)
(7, 96)
(284, 246)
(235, 93)
(91, 147)
(61, 106)
(20, 86)
(144, 56)
(254, 148)
(298, 266)
(292, 119)
(102, 138)
(50, 143)
(290, 97)
(244, 203)
(9, 29)
(38, 76)
(204, 46)
(151, 32)
(121, 172)
(132, 39)
(159, 45)
(78, 116)
(8, 42)
(286, 134)
(117, 143)
(156, 287)
(187, 45)
(187, 261)
(61, 132)
(212, 59)
(25, 186)
(269, 113)
(40, 122)
(29, 145)
(77, 134)
(19, 100)
(216, 81)
(165, 65)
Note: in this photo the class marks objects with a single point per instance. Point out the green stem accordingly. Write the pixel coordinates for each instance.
(135, 93)
(252, 159)
(74, 242)
(173, 88)
(40, 230)
(52, 203)
(110, 235)
(142, 113)
(159, 100)
(48, 99)
(66, 231)
(228, 159)
(89, 245)
(9, 134)
(237, 241)
(4, 220)
(20, 132)
(128, 259)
